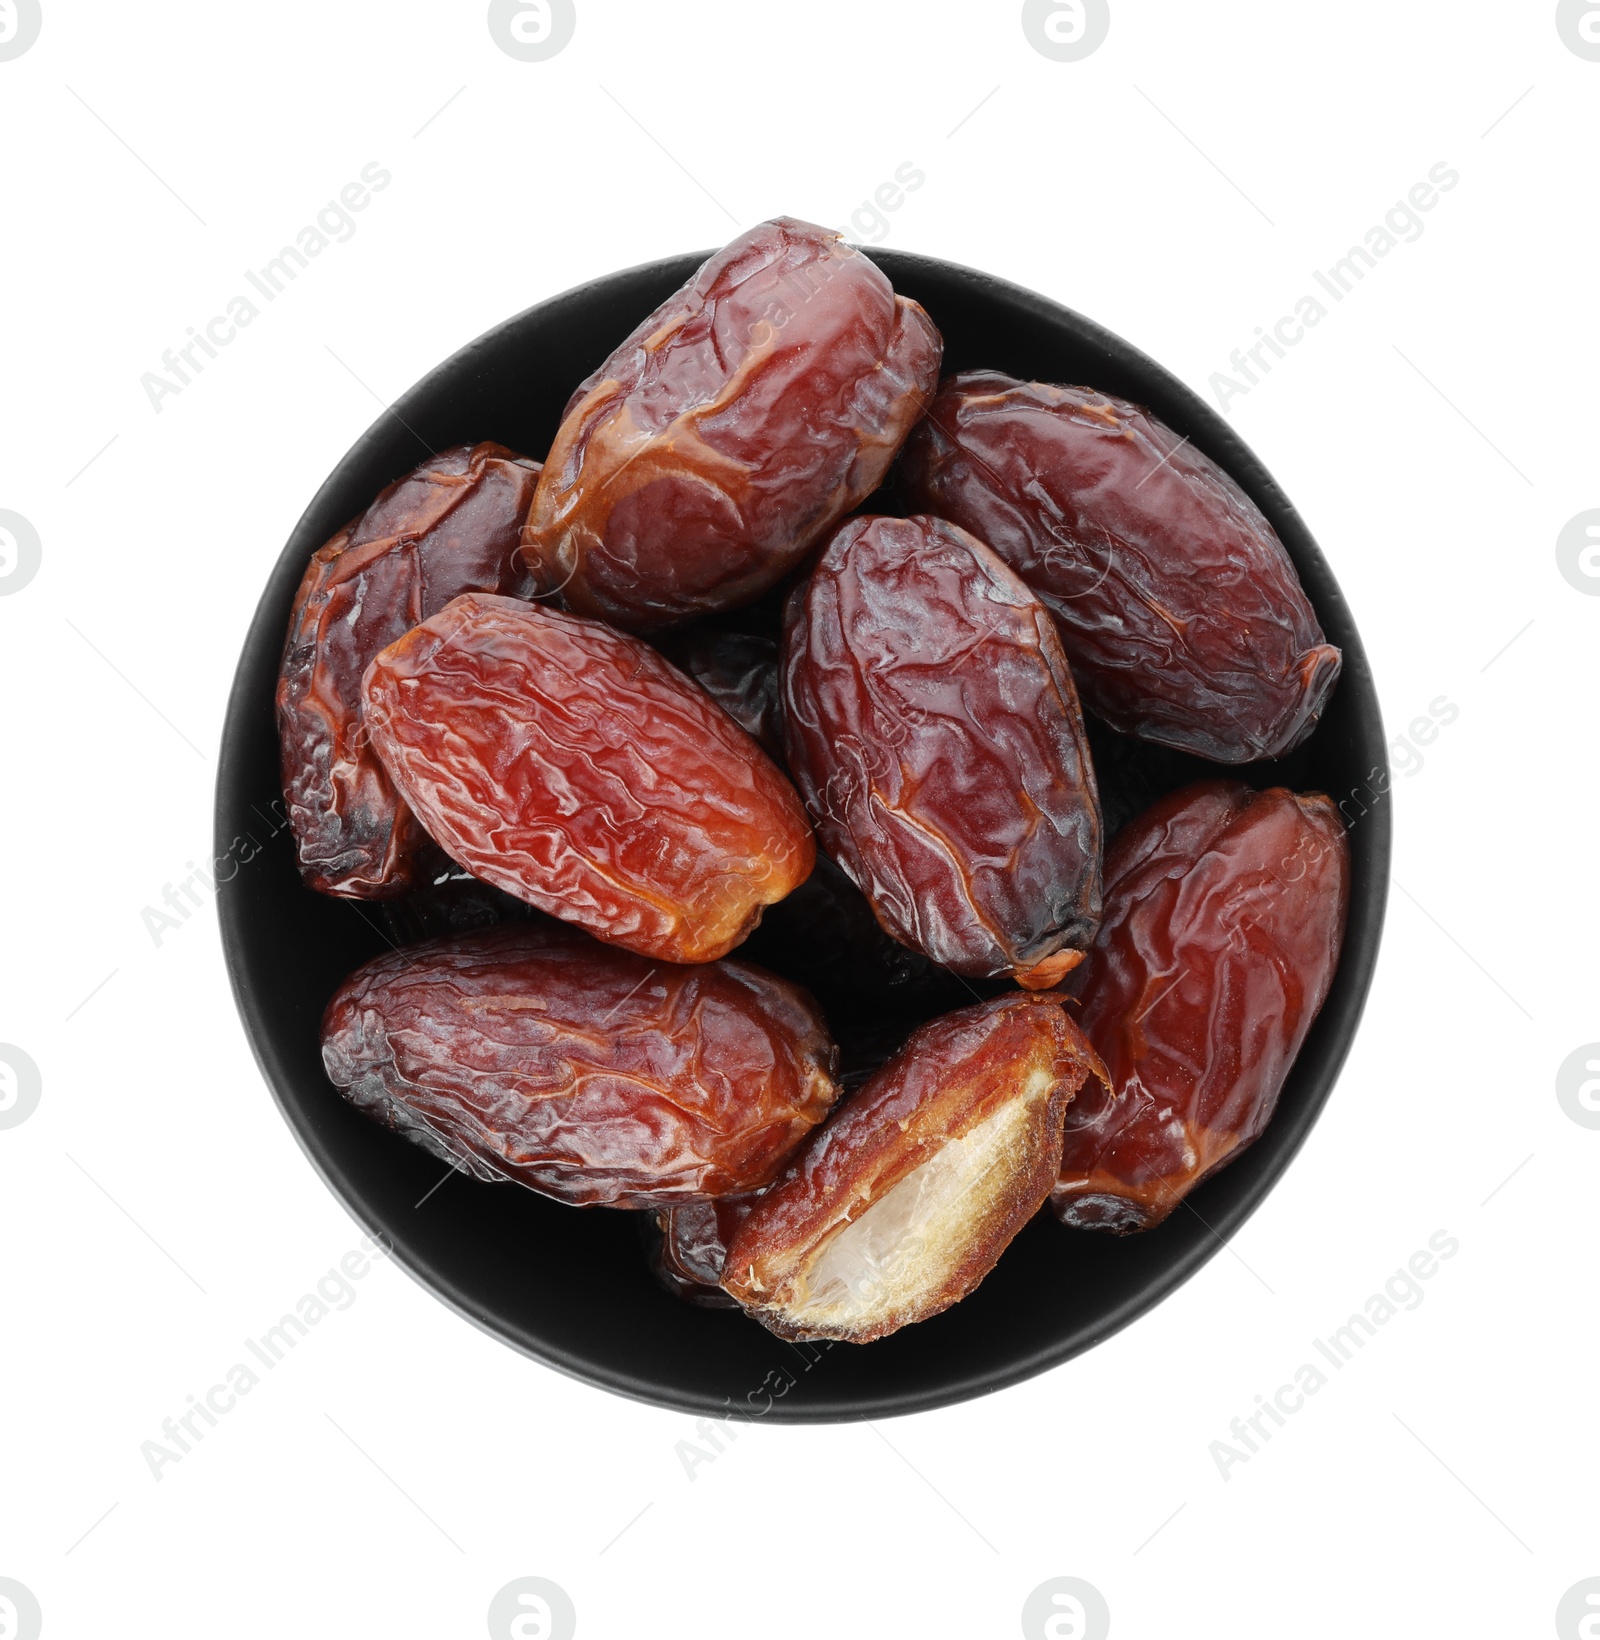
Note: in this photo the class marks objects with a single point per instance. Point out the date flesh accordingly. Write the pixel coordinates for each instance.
(731, 430)
(934, 730)
(1180, 610)
(586, 1073)
(905, 1200)
(452, 526)
(1225, 913)
(573, 767)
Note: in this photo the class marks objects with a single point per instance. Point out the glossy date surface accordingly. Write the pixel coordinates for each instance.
(1225, 913)
(452, 526)
(1180, 610)
(573, 767)
(934, 730)
(689, 1246)
(751, 411)
(902, 1203)
(584, 1072)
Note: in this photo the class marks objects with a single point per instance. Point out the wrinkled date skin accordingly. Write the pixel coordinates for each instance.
(904, 1202)
(573, 767)
(689, 1246)
(584, 1072)
(1179, 608)
(933, 727)
(1225, 912)
(452, 526)
(743, 418)
(739, 670)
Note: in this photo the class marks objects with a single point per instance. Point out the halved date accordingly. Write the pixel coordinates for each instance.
(1180, 610)
(906, 1199)
(753, 409)
(573, 767)
(933, 727)
(591, 1075)
(1225, 913)
(452, 526)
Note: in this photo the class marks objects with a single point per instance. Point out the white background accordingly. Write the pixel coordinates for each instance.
(1180, 185)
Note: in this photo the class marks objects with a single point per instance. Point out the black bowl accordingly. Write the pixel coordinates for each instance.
(571, 1288)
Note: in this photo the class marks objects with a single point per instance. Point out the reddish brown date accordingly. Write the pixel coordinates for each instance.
(571, 766)
(739, 670)
(905, 1201)
(689, 1246)
(1225, 912)
(934, 730)
(1180, 610)
(591, 1075)
(745, 416)
(452, 526)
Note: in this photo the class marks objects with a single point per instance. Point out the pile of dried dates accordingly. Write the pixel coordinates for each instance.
(727, 785)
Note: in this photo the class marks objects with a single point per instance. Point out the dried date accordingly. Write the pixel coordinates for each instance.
(933, 727)
(1180, 610)
(751, 411)
(1225, 912)
(905, 1200)
(689, 1246)
(452, 526)
(600, 1078)
(573, 767)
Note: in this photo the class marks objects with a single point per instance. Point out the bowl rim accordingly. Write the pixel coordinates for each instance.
(1358, 959)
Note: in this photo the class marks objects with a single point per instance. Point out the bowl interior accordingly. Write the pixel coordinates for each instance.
(571, 1287)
